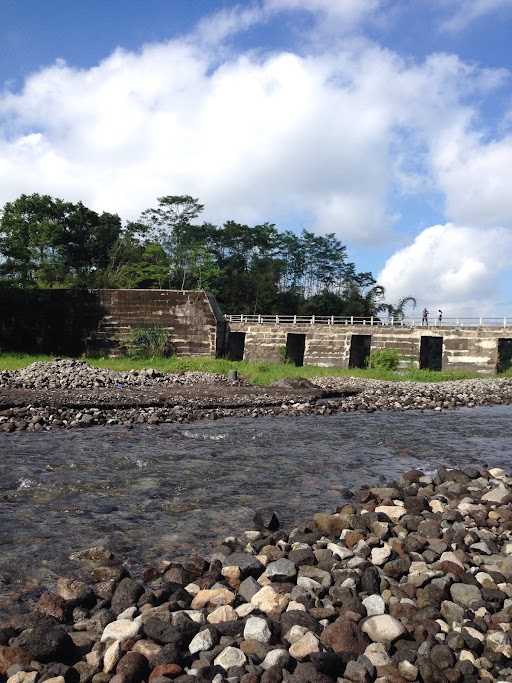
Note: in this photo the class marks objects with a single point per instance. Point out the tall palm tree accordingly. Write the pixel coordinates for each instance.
(398, 312)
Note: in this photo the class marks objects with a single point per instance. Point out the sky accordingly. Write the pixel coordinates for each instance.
(387, 122)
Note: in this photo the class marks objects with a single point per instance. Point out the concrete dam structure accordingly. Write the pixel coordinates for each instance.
(481, 345)
(75, 322)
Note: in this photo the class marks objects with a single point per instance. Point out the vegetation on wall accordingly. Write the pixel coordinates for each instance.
(46, 242)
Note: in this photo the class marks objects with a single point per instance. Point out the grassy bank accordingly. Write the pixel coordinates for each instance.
(256, 372)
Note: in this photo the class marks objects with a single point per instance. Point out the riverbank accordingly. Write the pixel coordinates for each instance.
(70, 393)
(409, 581)
(255, 372)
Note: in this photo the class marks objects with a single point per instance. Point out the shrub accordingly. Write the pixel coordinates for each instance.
(283, 358)
(385, 359)
(149, 342)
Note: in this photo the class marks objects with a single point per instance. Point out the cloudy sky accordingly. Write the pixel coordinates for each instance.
(388, 122)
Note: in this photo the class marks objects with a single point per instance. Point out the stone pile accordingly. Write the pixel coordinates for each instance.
(380, 395)
(410, 581)
(75, 374)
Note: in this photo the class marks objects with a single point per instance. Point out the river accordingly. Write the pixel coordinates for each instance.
(165, 491)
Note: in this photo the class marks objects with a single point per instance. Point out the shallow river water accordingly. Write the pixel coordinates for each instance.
(161, 491)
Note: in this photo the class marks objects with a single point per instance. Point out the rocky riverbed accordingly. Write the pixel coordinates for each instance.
(69, 393)
(410, 580)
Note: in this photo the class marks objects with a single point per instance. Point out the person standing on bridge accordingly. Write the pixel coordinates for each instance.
(439, 316)
(424, 317)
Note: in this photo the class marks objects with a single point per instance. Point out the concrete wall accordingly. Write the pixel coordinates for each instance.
(71, 322)
(191, 318)
(472, 349)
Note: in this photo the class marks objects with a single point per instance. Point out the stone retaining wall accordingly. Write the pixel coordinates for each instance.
(473, 349)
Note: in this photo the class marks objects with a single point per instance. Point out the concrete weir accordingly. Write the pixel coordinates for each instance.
(481, 349)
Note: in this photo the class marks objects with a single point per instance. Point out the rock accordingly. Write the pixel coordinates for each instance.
(281, 570)
(344, 637)
(500, 494)
(383, 628)
(248, 588)
(47, 643)
(111, 656)
(408, 670)
(126, 594)
(266, 519)
(304, 647)
(215, 596)
(230, 657)
(374, 605)
(120, 630)
(268, 601)
(466, 595)
(133, 667)
(394, 512)
(257, 628)
(249, 565)
(202, 641)
(165, 671)
(222, 614)
(278, 657)
(380, 555)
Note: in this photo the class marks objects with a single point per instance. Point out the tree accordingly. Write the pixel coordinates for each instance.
(170, 224)
(397, 312)
(47, 242)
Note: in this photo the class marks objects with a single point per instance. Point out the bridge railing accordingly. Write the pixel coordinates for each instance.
(374, 321)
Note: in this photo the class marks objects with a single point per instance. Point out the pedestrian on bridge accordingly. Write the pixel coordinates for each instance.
(439, 316)
(424, 317)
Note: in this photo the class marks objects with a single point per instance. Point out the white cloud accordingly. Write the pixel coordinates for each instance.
(451, 267)
(475, 177)
(468, 11)
(256, 137)
(344, 12)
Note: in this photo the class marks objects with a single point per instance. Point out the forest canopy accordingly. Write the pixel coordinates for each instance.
(46, 242)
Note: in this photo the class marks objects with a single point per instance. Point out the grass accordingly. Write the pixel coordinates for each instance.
(258, 372)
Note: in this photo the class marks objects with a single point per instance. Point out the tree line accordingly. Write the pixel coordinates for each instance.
(46, 242)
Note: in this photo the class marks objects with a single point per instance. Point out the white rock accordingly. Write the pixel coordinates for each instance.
(339, 551)
(383, 628)
(496, 495)
(305, 646)
(201, 642)
(257, 628)
(374, 605)
(129, 613)
(244, 610)
(230, 656)
(222, 614)
(278, 656)
(394, 512)
(295, 633)
(377, 654)
(121, 630)
(111, 656)
(293, 604)
(380, 555)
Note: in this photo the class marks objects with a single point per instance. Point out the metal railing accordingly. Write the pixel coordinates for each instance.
(498, 322)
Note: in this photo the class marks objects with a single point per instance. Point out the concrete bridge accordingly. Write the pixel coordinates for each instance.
(482, 345)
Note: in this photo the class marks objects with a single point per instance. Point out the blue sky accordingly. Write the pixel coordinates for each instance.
(385, 121)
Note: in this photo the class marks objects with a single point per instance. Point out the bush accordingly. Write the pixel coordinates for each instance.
(283, 358)
(385, 359)
(149, 342)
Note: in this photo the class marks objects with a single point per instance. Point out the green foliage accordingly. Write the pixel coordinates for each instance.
(385, 359)
(47, 242)
(149, 342)
(281, 351)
